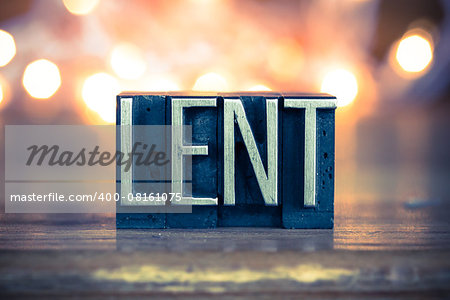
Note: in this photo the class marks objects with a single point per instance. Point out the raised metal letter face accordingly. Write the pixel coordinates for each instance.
(179, 149)
(126, 118)
(234, 110)
(310, 107)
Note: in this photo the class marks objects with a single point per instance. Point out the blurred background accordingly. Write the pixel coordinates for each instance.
(63, 62)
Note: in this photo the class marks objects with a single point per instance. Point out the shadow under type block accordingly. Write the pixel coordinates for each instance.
(206, 160)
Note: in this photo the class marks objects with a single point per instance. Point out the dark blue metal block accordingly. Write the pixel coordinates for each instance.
(325, 159)
(140, 220)
(295, 213)
(256, 159)
(202, 175)
(146, 110)
(202, 216)
(249, 208)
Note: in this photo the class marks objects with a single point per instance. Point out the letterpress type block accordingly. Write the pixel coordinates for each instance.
(248, 159)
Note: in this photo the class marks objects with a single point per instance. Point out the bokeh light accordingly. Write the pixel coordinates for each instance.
(342, 84)
(162, 85)
(1, 92)
(414, 53)
(99, 93)
(127, 61)
(285, 59)
(259, 88)
(7, 48)
(5, 92)
(41, 79)
(80, 7)
(211, 82)
(204, 1)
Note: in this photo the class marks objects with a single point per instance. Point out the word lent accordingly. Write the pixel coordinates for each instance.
(256, 159)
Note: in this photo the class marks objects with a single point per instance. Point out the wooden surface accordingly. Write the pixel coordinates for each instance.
(383, 250)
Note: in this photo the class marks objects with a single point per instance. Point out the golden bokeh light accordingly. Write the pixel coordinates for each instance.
(414, 53)
(342, 84)
(80, 7)
(162, 85)
(5, 92)
(211, 82)
(152, 83)
(99, 93)
(127, 61)
(259, 88)
(41, 79)
(285, 59)
(1, 92)
(7, 48)
(203, 1)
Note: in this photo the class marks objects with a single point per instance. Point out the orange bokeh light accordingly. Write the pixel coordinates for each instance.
(80, 7)
(41, 79)
(7, 48)
(99, 93)
(211, 82)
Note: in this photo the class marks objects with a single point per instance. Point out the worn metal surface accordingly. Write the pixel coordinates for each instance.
(267, 181)
(126, 134)
(296, 160)
(254, 162)
(179, 150)
(149, 110)
(310, 107)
